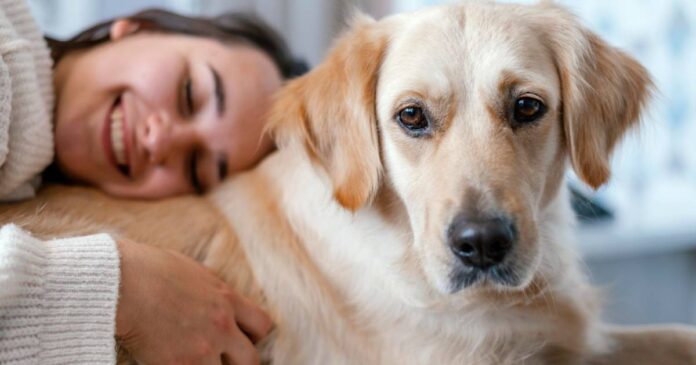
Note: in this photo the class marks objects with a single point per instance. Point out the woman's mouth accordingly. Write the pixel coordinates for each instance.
(117, 148)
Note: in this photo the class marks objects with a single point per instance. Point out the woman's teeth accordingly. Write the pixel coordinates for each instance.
(117, 144)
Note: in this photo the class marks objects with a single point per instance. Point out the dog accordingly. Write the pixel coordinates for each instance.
(416, 211)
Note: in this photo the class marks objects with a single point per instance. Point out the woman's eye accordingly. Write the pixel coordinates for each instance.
(192, 170)
(413, 119)
(188, 96)
(528, 110)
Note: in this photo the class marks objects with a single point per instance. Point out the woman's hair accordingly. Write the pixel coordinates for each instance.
(227, 28)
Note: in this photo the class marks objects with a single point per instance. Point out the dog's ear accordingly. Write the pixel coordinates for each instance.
(603, 92)
(331, 112)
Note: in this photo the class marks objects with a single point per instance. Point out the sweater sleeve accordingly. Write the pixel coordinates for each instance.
(57, 299)
(26, 102)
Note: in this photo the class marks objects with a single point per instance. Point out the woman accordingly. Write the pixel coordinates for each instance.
(145, 107)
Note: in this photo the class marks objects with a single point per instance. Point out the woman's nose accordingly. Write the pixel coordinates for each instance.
(162, 138)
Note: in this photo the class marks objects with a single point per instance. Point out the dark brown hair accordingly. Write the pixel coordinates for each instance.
(228, 28)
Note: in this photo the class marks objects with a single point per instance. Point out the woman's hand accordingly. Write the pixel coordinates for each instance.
(173, 310)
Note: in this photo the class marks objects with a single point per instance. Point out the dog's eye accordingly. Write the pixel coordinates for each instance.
(413, 119)
(528, 110)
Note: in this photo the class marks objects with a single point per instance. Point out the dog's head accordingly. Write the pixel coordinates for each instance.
(468, 113)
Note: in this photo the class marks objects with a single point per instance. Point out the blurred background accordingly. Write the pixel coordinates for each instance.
(643, 251)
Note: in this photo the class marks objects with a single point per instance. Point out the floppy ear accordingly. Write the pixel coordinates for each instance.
(603, 93)
(331, 112)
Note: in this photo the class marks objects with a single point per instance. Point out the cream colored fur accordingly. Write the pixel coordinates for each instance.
(340, 233)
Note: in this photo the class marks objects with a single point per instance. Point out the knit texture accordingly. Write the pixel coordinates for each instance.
(57, 299)
(26, 102)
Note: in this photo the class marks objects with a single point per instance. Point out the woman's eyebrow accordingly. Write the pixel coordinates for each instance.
(219, 91)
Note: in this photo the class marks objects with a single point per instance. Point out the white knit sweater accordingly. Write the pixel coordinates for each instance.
(57, 298)
(26, 101)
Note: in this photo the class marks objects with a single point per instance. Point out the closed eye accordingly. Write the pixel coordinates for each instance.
(192, 171)
(222, 167)
(188, 96)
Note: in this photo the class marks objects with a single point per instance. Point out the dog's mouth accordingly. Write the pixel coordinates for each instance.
(504, 275)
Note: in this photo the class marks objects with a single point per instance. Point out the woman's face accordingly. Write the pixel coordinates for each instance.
(151, 115)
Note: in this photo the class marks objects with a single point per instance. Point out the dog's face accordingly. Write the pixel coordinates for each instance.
(468, 113)
(469, 109)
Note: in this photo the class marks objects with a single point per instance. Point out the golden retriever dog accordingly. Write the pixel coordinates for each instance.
(416, 211)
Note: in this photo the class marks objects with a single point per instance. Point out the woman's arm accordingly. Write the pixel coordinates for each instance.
(62, 299)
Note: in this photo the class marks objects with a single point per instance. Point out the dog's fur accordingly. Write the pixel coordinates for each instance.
(341, 233)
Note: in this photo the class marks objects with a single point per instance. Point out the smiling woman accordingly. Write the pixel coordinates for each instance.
(162, 114)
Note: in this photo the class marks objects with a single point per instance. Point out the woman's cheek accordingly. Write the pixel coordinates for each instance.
(72, 146)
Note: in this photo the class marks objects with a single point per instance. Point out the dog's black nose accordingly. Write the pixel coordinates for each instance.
(481, 243)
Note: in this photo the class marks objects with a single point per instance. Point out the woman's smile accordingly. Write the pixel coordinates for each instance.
(116, 145)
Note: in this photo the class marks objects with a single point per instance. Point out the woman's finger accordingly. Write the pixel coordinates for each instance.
(240, 350)
(250, 318)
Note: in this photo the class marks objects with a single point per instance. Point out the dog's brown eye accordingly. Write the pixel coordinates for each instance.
(528, 110)
(413, 119)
